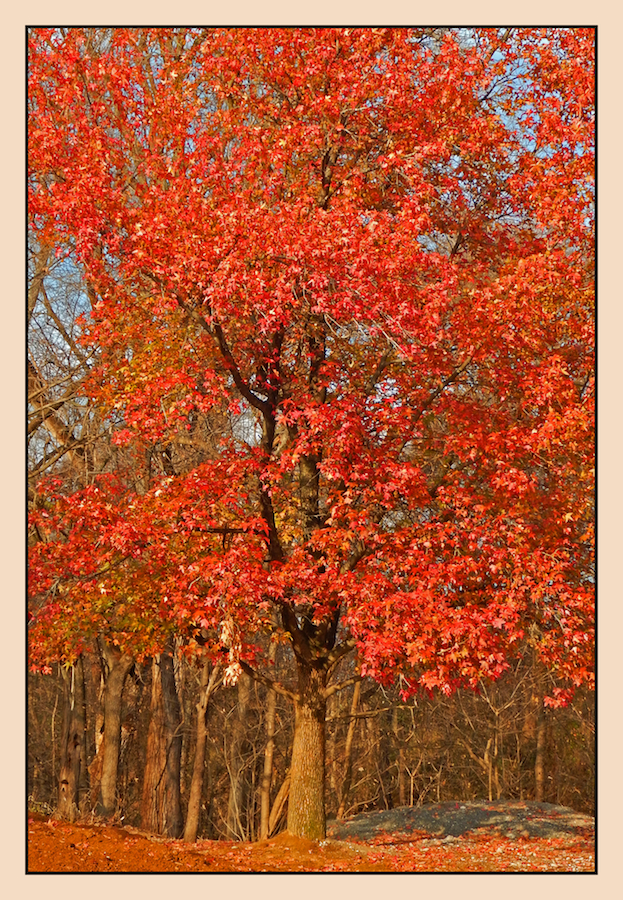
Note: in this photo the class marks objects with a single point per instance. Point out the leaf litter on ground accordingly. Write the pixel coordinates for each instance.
(502, 836)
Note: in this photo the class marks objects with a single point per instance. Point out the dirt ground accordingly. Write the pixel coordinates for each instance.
(457, 838)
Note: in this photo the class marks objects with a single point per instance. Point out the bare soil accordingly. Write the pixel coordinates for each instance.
(442, 837)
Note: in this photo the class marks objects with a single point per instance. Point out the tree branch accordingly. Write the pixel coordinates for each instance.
(340, 685)
(255, 401)
(268, 682)
(340, 651)
(215, 330)
(444, 384)
(382, 364)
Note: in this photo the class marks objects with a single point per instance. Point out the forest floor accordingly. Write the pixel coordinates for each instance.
(503, 836)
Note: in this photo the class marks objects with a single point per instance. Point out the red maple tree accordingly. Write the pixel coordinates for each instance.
(366, 255)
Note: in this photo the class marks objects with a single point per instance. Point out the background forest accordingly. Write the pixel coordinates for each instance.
(381, 752)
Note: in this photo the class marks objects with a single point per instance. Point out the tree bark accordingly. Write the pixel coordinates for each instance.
(161, 806)
(210, 681)
(267, 774)
(306, 805)
(540, 729)
(108, 753)
(539, 759)
(400, 761)
(174, 819)
(236, 819)
(151, 801)
(73, 742)
(333, 776)
(278, 805)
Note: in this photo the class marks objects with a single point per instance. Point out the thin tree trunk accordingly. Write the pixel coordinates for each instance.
(348, 756)
(161, 807)
(489, 768)
(496, 758)
(552, 756)
(400, 761)
(73, 737)
(378, 739)
(210, 681)
(174, 819)
(118, 670)
(267, 774)
(539, 760)
(278, 805)
(331, 764)
(155, 755)
(306, 805)
(236, 824)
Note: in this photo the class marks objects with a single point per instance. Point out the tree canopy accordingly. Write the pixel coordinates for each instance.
(341, 316)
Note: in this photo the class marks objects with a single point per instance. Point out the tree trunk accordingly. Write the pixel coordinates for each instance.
(210, 681)
(306, 805)
(278, 805)
(539, 760)
(267, 774)
(400, 760)
(540, 729)
(174, 820)
(105, 767)
(73, 742)
(333, 776)
(383, 766)
(161, 807)
(348, 751)
(151, 801)
(236, 819)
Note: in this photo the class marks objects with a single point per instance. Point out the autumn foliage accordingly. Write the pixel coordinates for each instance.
(341, 287)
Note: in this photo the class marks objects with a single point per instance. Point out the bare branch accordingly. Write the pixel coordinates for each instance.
(340, 685)
(268, 682)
